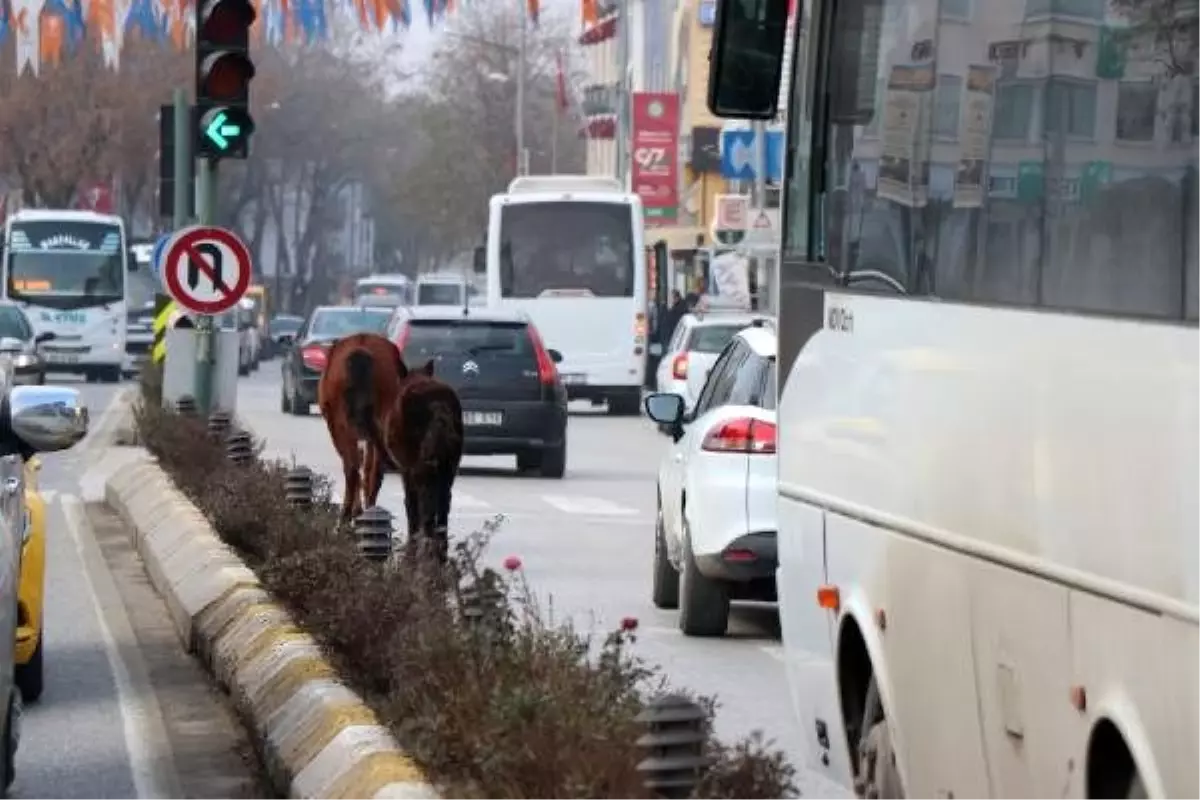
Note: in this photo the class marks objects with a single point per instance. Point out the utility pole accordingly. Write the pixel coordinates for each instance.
(624, 105)
(519, 121)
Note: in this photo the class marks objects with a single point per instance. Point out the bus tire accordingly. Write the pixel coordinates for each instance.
(703, 602)
(625, 404)
(876, 774)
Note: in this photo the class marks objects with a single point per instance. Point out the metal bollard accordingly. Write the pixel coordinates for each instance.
(373, 529)
(674, 746)
(186, 406)
(298, 487)
(239, 448)
(219, 423)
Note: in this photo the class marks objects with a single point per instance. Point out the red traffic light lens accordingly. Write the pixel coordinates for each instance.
(227, 76)
(226, 22)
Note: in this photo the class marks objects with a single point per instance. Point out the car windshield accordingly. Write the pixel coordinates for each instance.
(14, 325)
(431, 339)
(335, 323)
(439, 294)
(285, 324)
(711, 338)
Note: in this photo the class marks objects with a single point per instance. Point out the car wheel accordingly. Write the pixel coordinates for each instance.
(41, 378)
(703, 602)
(666, 577)
(284, 406)
(299, 405)
(554, 461)
(12, 737)
(30, 676)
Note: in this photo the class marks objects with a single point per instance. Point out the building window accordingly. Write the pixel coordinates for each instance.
(1195, 107)
(1071, 104)
(1014, 109)
(955, 9)
(1085, 9)
(1137, 107)
(945, 106)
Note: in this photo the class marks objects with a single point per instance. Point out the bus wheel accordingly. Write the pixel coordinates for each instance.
(875, 772)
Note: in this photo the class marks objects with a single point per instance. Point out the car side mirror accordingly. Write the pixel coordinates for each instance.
(47, 418)
(45, 336)
(555, 356)
(665, 408)
(480, 260)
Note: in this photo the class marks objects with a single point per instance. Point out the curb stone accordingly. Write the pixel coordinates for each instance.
(317, 737)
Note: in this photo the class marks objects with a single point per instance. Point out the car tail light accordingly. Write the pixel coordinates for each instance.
(547, 372)
(743, 435)
(314, 357)
(679, 367)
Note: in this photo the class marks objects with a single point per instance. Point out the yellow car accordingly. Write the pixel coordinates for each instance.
(32, 590)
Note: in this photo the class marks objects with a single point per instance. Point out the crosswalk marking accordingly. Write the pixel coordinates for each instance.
(581, 504)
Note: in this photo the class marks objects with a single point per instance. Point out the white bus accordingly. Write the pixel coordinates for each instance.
(988, 471)
(67, 270)
(568, 250)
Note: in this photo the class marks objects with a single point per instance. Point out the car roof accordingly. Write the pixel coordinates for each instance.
(762, 339)
(458, 313)
(721, 317)
(357, 309)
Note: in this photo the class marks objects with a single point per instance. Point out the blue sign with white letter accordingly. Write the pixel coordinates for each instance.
(739, 155)
(708, 13)
(156, 255)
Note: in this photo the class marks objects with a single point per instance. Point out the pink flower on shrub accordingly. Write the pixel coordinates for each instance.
(512, 563)
(629, 624)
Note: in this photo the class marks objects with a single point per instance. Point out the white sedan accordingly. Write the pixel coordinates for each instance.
(715, 530)
(697, 341)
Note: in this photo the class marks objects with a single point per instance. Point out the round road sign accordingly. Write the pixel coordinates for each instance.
(156, 254)
(205, 269)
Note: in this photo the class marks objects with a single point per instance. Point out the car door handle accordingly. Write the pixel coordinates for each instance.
(11, 486)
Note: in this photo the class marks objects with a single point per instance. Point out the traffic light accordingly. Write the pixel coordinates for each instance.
(166, 167)
(223, 74)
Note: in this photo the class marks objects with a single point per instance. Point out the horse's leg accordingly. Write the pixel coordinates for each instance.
(441, 523)
(347, 449)
(372, 477)
(410, 510)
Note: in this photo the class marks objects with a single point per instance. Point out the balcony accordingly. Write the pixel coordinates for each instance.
(599, 100)
(1092, 10)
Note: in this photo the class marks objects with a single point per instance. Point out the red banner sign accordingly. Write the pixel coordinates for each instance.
(655, 170)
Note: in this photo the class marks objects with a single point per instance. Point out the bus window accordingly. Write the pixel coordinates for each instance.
(747, 58)
(567, 249)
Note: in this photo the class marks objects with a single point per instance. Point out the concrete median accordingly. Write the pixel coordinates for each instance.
(316, 736)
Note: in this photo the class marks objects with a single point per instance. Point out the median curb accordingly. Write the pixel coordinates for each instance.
(316, 736)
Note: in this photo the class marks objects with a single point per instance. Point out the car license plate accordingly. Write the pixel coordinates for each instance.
(574, 377)
(482, 418)
(62, 358)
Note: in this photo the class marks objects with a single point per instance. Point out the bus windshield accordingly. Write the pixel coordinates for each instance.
(65, 264)
(566, 248)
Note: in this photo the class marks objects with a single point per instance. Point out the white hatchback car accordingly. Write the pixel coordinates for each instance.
(698, 339)
(715, 530)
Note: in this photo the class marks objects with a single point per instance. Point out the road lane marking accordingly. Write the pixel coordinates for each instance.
(153, 771)
(583, 505)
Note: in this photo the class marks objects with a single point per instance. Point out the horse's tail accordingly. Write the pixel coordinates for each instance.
(360, 399)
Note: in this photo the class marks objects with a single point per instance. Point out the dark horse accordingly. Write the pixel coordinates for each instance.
(425, 442)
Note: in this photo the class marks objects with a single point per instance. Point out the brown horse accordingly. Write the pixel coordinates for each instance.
(360, 385)
(425, 439)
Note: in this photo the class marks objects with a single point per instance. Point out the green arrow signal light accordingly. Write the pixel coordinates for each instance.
(219, 131)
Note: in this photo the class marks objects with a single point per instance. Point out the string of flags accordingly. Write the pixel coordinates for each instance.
(46, 31)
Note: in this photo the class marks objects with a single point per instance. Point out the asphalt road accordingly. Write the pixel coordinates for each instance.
(120, 691)
(586, 542)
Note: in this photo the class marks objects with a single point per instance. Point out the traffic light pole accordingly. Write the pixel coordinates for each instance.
(206, 345)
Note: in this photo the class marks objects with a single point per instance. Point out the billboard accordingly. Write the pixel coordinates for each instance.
(655, 150)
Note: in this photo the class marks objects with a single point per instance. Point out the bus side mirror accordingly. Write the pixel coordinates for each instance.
(746, 60)
(480, 262)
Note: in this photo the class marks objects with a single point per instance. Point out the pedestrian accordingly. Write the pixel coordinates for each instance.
(670, 320)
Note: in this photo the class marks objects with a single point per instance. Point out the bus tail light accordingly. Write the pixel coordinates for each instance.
(679, 367)
(742, 435)
(640, 328)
